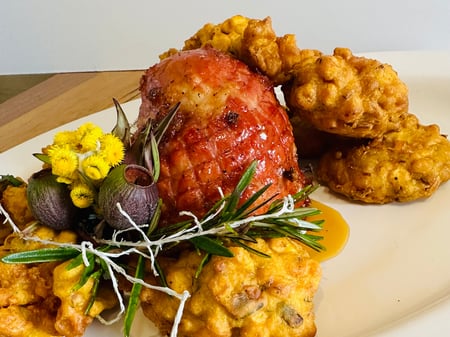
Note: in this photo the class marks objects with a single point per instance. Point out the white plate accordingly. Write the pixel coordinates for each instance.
(393, 278)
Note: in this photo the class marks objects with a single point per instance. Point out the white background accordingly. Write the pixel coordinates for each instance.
(51, 36)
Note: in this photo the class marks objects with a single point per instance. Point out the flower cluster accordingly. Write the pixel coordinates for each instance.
(82, 159)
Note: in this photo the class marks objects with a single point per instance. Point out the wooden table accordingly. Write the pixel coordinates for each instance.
(31, 105)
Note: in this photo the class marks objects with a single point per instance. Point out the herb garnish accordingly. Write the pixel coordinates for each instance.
(225, 224)
(229, 222)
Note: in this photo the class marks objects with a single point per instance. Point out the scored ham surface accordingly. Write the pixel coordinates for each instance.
(228, 117)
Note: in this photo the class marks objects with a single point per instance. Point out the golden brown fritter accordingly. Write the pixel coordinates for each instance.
(14, 201)
(312, 143)
(252, 41)
(28, 305)
(41, 299)
(340, 93)
(246, 295)
(347, 95)
(400, 166)
(32, 320)
(72, 319)
(226, 36)
(21, 284)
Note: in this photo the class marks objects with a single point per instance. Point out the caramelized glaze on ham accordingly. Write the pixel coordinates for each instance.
(228, 117)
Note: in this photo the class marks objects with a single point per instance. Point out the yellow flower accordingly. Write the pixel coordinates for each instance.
(88, 136)
(82, 196)
(64, 180)
(74, 177)
(112, 149)
(65, 138)
(95, 167)
(64, 161)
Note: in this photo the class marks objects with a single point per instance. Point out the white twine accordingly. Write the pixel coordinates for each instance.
(197, 230)
(86, 247)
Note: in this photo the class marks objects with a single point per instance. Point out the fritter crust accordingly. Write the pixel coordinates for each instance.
(33, 320)
(312, 143)
(246, 295)
(14, 200)
(252, 41)
(402, 165)
(72, 319)
(347, 95)
(40, 299)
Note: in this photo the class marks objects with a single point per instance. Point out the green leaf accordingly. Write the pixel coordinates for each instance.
(154, 221)
(87, 272)
(122, 127)
(211, 246)
(237, 192)
(204, 261)
(42, 157)
(11, 180)
(133, 302)
(312, 242)
(79, 259)
(96, 277)
(155, 156)
(162, 276)
(41, 255)
(161, 128)
(250, 249)
(246, 178)
(243, 211)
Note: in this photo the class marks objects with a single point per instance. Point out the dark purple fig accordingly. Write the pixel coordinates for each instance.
(131, 186)
(50, 201)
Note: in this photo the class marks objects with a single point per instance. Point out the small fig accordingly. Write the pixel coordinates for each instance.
(50, 201)
(133, 187)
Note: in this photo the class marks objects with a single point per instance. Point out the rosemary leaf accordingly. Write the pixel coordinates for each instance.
(311, 241)
(170, 229)
(204, 261)
(250, 249)
(87, 272)
(133, 302)
(155, 218)
(96, 278)
(211, 246)
(244, 210)
(161, 128)
(76, 261)
(41, 255)
(308, 239)
(237, 192)
(161, 274)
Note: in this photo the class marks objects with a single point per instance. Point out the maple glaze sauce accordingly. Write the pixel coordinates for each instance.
(335, 232)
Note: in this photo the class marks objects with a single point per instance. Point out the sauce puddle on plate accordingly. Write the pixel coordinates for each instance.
(335, 232)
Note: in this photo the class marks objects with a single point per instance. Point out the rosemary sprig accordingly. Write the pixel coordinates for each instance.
(41, 255)
(229, 222)
(226, 222)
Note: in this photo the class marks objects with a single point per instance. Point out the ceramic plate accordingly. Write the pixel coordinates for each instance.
(393, 277)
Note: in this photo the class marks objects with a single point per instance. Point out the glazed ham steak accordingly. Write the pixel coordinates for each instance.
(228, 117)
